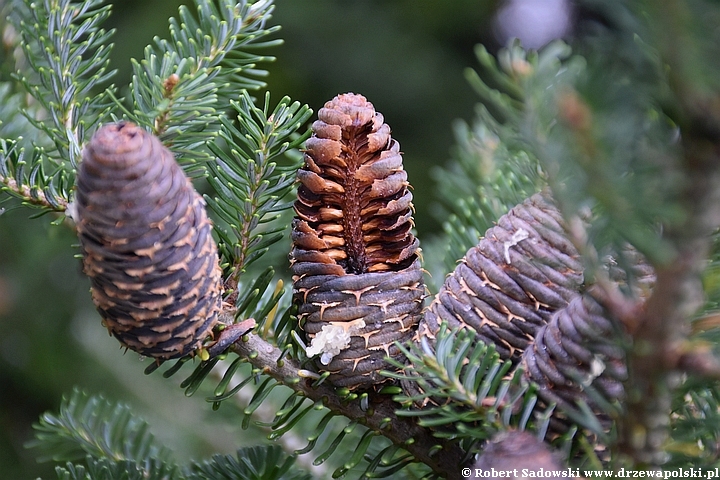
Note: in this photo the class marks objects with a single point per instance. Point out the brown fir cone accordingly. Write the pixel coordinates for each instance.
(357, 276)
(146, 243)
(519, 455)
(579, 348)
(509, 285)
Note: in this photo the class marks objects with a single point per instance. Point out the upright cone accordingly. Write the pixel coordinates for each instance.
(509, 285)
(583, 346)
(146, 243)
(357, 275)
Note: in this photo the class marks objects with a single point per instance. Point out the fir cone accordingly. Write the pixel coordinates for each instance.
(146, 243)
(357, 276)
(519, 455)
(578, 348)
(581, 346)
(509, 285)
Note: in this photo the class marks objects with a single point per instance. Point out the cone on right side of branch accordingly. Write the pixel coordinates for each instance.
(579, 354)
(521, 289)
(575, 351)
(509, 285)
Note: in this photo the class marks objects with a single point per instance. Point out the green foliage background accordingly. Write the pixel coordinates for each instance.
(406, 56)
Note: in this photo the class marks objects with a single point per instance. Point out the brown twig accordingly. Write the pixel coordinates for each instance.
(380, 418)
(678, 292)
(37, 198)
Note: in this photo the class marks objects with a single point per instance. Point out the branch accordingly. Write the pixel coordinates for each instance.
(380, 418)
(33, 196)
(678, 292)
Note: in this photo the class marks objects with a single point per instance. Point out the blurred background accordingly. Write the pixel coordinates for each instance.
(405, 56)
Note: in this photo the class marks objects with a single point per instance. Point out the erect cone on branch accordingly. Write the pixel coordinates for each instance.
(580, 348)
(521, 289)
(575, 350)
(509, 285)
(355, 260)
(146, 243)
